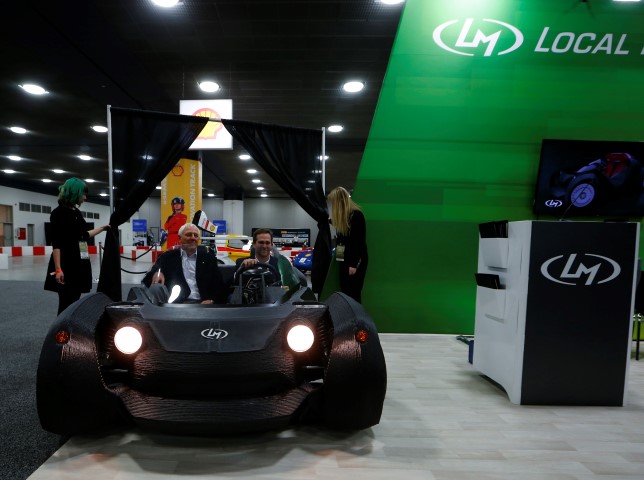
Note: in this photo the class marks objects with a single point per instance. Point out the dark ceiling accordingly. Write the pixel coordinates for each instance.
(281, 62)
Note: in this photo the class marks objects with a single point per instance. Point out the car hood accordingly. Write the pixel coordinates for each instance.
(225, 330)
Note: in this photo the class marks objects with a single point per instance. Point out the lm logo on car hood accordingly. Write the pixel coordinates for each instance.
(214, 333)
(469, 38)
(567, 270)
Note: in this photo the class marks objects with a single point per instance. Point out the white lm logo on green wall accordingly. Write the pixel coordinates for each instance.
(478, 38)
(501, 38)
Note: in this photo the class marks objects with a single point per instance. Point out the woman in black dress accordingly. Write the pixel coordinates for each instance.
(351, 245)
(70, 271)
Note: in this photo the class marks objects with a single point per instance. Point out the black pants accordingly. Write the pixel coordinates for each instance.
(352, 284)
(66, 297)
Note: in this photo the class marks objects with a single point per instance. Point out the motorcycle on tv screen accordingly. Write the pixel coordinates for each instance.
(590, 178)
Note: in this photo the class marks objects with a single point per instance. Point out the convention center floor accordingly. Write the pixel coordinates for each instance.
(441, 420)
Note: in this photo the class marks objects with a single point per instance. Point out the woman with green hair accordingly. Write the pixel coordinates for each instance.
(70, 272)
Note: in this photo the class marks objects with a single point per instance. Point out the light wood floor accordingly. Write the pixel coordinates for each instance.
(441, 421)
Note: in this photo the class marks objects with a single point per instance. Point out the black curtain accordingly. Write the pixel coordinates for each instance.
(145, 147)
(291, 157)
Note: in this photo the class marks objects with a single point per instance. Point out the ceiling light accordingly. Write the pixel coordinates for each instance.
(165, 3)
(335, 128)
(58, 170)
(209, 86)
(244, 156)
(90, 180)
(323, 157)
(99, 128)
(211, 194)
(158, 187)
(46, 180)
(264, 195)
(260, 188)
(251, 171)
(256, 180)
(84, 157)
(15, 158)
(19, 130)
(353, 86)
(116, 170)
(103, 194)
(33, 89)
(8, 170)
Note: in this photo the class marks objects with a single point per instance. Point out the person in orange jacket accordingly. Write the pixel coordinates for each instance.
(175, 222)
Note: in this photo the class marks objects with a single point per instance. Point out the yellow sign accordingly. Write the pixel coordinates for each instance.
(180, 198)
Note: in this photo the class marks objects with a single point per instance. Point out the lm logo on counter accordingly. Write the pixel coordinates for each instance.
(569, 271)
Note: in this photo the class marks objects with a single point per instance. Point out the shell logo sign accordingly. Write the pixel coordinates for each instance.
(209, 132)
(214, 135)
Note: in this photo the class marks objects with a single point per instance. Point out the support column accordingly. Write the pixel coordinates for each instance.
(234, 210)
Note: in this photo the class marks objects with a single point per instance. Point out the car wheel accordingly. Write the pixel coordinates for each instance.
(584, 192)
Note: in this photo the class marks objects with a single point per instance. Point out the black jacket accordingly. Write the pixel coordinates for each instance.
(209, 278)
(68, 227)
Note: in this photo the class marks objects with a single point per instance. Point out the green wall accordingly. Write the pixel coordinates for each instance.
(455, 139)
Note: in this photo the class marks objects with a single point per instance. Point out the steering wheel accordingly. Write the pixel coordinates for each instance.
(260, 267)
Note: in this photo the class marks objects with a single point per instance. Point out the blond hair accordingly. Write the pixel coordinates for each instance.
(341, 208)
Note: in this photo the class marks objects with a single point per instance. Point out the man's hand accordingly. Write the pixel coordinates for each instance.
(352, 270)
(158, 278)
(249, 262)
(207, 302)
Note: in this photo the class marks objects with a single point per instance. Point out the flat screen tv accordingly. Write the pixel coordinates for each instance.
(590, 178)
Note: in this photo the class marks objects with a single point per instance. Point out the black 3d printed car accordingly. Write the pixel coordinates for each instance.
(212, 369)
(613, 175)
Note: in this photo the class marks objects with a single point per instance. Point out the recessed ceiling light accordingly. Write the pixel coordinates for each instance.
(90, 180)
(116, 170)
(165, 3)
(260, 188)
(99, 128)
(244, 156)
(33, 89)
(211, 194)
(264, 195)
(158, 187)
(256, 180)
(19, 130)
(209, 86)
(8, 170)
(15, 158)
(335, 128)
(46, 180)
(103, 194)
(84, 157)
(58, 170)
(251, 171)
(353, 86)
(323, 157)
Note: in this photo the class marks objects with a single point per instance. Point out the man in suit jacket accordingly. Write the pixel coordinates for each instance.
(192, 267)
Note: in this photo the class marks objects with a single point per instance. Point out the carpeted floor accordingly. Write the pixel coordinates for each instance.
(26, 314)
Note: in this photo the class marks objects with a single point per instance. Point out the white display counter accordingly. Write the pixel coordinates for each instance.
(558, 330)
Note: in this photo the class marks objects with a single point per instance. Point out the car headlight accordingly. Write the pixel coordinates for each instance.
(174, 294)
(128, 340)
(300, 338)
